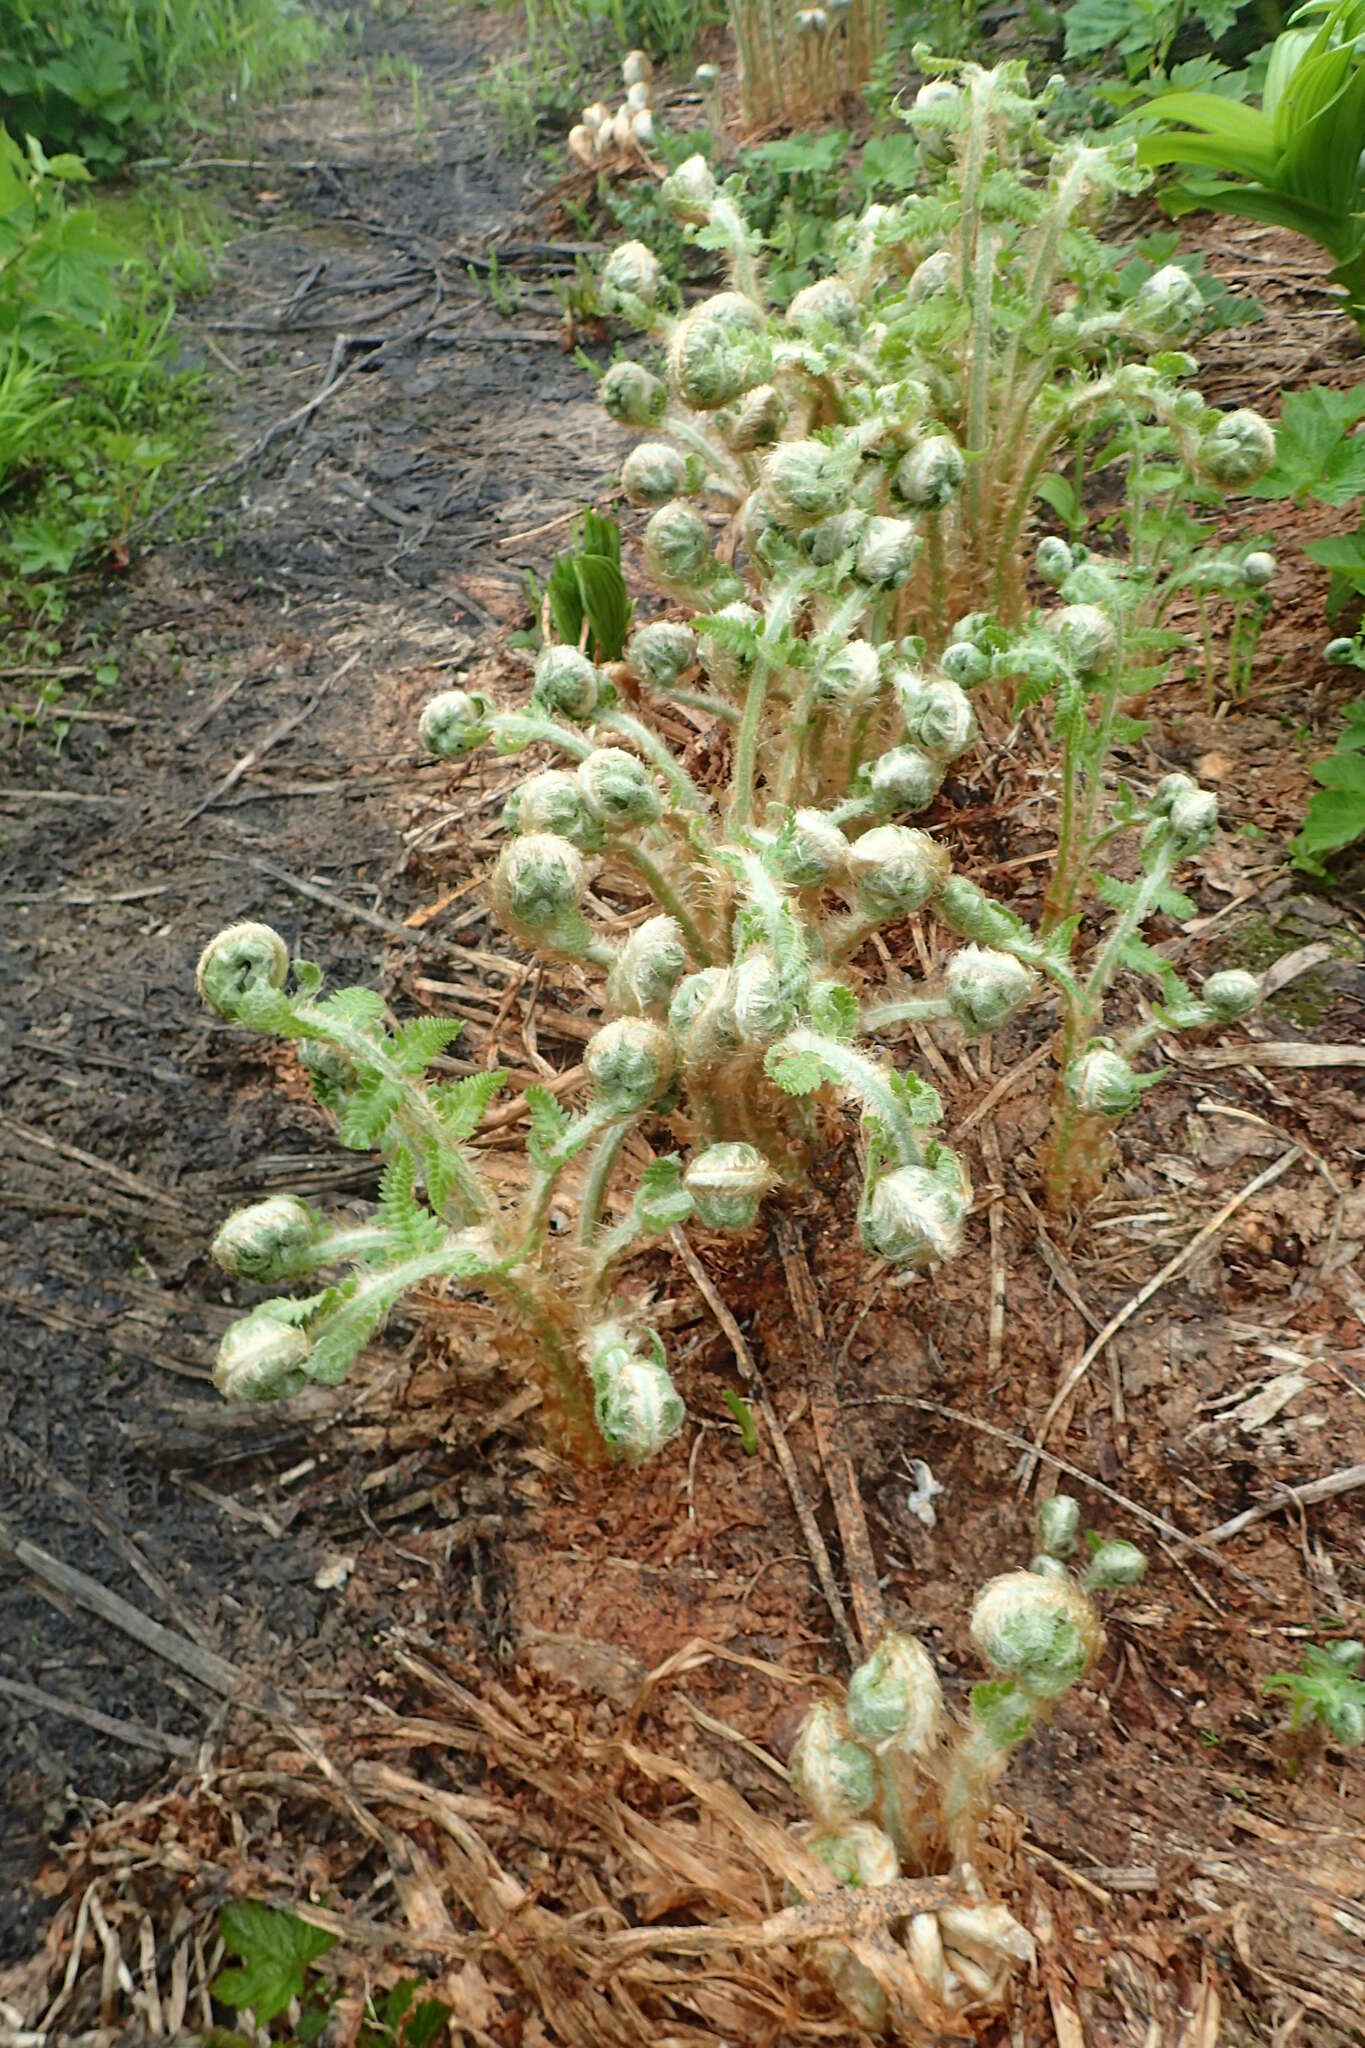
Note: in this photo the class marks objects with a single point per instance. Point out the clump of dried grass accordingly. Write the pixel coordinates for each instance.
(607, 1892)
(556, 1870)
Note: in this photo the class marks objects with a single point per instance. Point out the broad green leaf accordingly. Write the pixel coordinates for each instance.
(605, 604)
(1059, 494)
(1343, 554)
(426, 2025)
(276, 1949)
(1317, 452)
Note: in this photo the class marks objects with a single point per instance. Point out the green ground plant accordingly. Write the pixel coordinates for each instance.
(1326, 1692)
(1146, 34)
(897, 1789)
(1320, 456)
(99, 77)
(1336, 813)
(1297, 161)
(275, 1987)
(91, 411)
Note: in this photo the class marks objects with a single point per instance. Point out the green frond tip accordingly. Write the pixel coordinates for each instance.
(922, 1103)
(548, 1125)
(462, 1105)
(661, 1200)
(798, 1070)
(359, 1008)
(370, 1110)
(834, 1011)
(409, 1222)
(421, 1040)
(744, 1417)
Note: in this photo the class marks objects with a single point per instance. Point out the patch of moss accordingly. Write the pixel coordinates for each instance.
(1258, 941)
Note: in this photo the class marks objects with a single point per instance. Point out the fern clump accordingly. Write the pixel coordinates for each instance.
(877, 454)
(895, 1787)
(909, 412)
(836, 505)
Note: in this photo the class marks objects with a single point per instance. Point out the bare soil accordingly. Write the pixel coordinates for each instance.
(394, 1612)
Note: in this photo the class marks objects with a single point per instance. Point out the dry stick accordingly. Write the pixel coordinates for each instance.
(330, 900)
(105, 1523)
(744, 1359)
(228, 1680)
(1274, 1052)
(136, 1733)
(990, 1152)
(256, 754)
(336, 374)
(1004, 1086)
(210, 1669)
(1082, 1478)
(840, 1477)
(129, 1182)
(1344, 1481)
(1058, 1265)
(1144, 1295)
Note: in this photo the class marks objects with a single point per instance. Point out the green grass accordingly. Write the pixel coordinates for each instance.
(94, 416)
(103, 78)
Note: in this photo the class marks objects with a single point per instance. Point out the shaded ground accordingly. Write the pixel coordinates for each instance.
(259, 762)
(346, 1548)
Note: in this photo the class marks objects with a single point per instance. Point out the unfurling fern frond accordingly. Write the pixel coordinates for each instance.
(421, 1040)
(461, 1105)
(410, 1224)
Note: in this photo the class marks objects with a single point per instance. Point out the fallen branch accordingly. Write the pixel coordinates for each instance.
(281, 731)
(1328, 1488)
(840, 1477)
(135, 1733)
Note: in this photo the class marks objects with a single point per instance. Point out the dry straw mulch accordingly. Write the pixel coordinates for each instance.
(605, 1887)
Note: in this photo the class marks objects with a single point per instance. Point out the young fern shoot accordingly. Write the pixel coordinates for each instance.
(797, 63)
(437, 1219)
(896, 1788)
(910, 408)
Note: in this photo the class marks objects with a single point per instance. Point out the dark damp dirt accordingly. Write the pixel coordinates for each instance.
(400, 449)
(334, 576)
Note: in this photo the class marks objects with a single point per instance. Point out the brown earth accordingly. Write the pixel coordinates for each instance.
(403, 1683)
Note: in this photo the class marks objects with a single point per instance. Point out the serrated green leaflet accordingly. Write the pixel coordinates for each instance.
(462, 1105)
(548, 1124)
(276, 1950)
